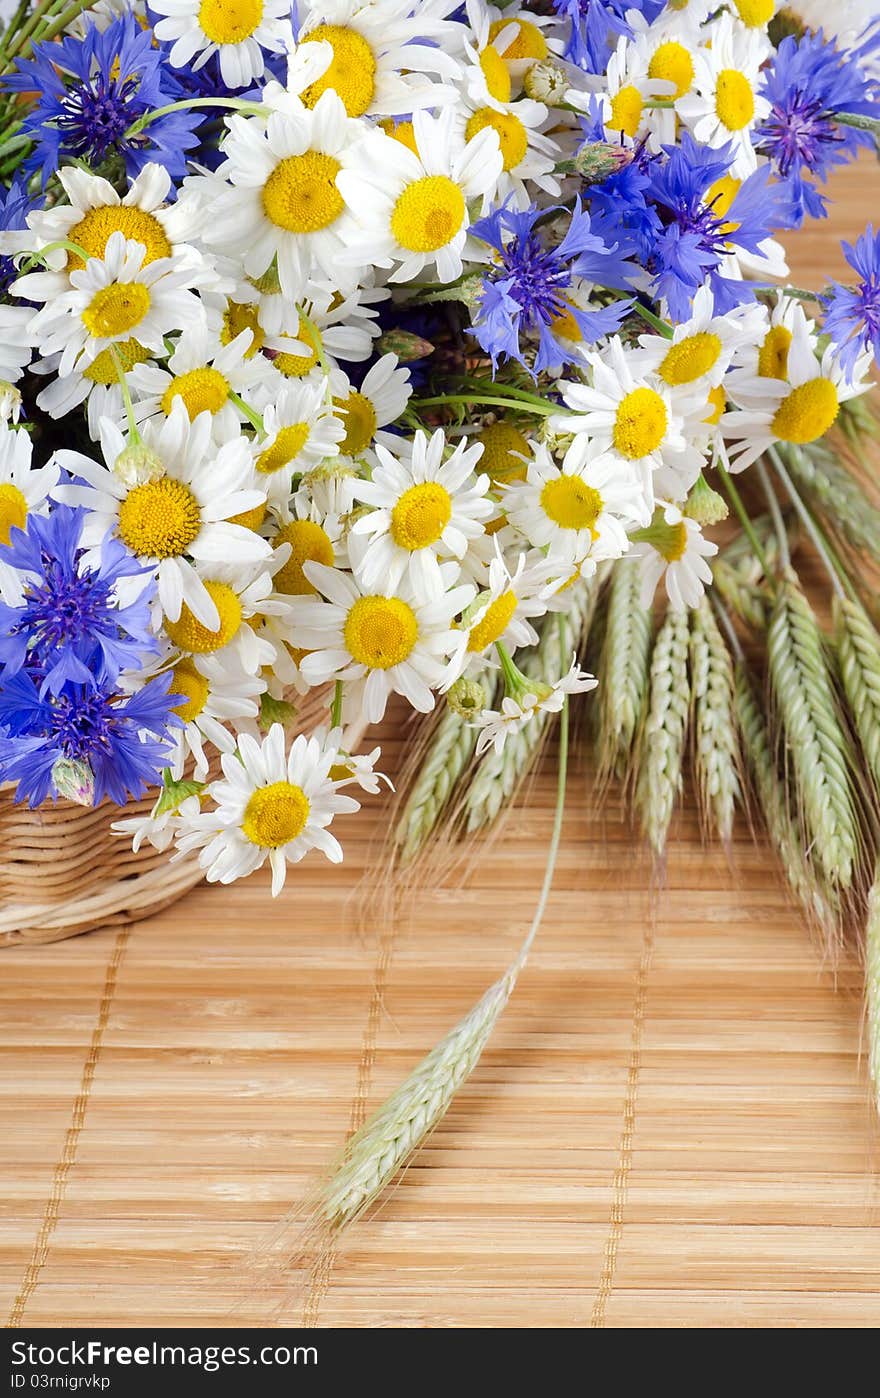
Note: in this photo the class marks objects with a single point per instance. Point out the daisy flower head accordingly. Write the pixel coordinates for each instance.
(355, 769)
(243, 596)
(387, 58)
(517, 36)
(277, 193)
(177, 519)
(269, 805)
(500, 614)
(798, 408)
(528, 155)
(378, 402)
(411, 206)
(378, 642)
(625, 108)
(207, 376)
(114, 299)
(212, 701)
(241, 33)
(672, 547)
(580, 507)
(301, 430)
(159, 828)
(524, 700)
(423, 509)
(728, 102)
(302, 532)
(702, 348)
(24, 492)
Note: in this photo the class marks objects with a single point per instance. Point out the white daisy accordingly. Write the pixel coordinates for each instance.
(528, 156)
(24, 490)
(623, 107)
(300, 432)
(379, 643)
(702, 348)
(385, 58)
(519, 36)
(673, 547)
(355, 769)
(424, 509)
(238, 31)
(16, 348)
(277, 193)
(210, 698)
(269, 805)
(411, 207)
(578, 508)
(383, 394)
(532, 697)
(310, 535)
(114, 299)
(158, 828)
(243, 597)
(208, 376)
(727, 103)
(179, 518)
(328, 322)
(500, 614)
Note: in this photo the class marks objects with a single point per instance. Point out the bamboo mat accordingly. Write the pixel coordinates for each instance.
(670, 1127)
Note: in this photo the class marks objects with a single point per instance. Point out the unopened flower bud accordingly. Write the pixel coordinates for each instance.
(10, 402)
(467, 698)
(547, 83)
(74, 780)
(598, 160)
(136, 464)
(404, 344)
(704, 504)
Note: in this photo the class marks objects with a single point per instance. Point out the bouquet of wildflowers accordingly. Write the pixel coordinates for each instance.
(396, 348)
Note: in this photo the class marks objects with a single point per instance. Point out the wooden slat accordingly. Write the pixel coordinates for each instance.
(716, 1168)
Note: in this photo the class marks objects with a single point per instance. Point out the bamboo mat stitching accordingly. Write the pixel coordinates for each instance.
(627, 1134)
(67, 1159)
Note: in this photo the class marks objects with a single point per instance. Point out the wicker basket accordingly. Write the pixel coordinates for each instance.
(63, 871)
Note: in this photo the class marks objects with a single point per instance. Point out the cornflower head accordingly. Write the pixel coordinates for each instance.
(852, 317)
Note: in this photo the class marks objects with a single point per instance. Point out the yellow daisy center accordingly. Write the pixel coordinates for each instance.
(690, 358)
(116, 309)
(672, 63)
(237, 317)
(159, 519)
(13, 511)
(300, 195)
(352, 71)
(496, 74)
(428, 214)
(734, 99)
(755, 13)
(673, 545)
(529, 41)
(773, 354)
(188, 633)
(641, 423)
(96, 225)
(719, 198)
(571, 503)
(807, 412)
(380, 632)
(716, 402)
(193, 689)
(230, 21)
(504, 446)
(402, 131)
(309, 543)
(420, 516)
(275, 815)
(103, 367)
(512, 135)
(286, 446)
(250, 519)
(494, 624)
(626, 110)
(296, 366)
(359, 421)
(564, 324)
(202, 390)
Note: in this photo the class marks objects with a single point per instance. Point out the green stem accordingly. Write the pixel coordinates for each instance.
(800, 293)
(336, 706)
(537, 404)
(775, 514)
(735, 499)
(126, 394)
(40, 256)
(237, 104)
(250, 413)
(665, 330)
(861, 123)
(836, 572)
(512, 677)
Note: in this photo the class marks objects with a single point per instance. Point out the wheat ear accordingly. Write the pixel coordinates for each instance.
(858, 652)
(716, 751)
(872, 984)
(815, 744)
(774, 803)
(663, 734)
(623, 670)
(838, 496)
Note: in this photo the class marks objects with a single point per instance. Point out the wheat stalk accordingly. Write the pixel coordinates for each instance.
(872, 984)
(716, 751)
(838, 495)
(451, 747)
(663, 735)
(623, 669)
(815, 744)
(774, 804)
(747, 599)
(499, 774)
(858, 653)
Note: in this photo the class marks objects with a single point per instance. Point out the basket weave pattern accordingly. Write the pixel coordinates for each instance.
(63, 871)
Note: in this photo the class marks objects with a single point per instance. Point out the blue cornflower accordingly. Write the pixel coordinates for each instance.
(597, 24)
(852, 318)
(69, 626)
(525, 290)
(696, 235)
(92, 90)
(120, 740)
(809, 81)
